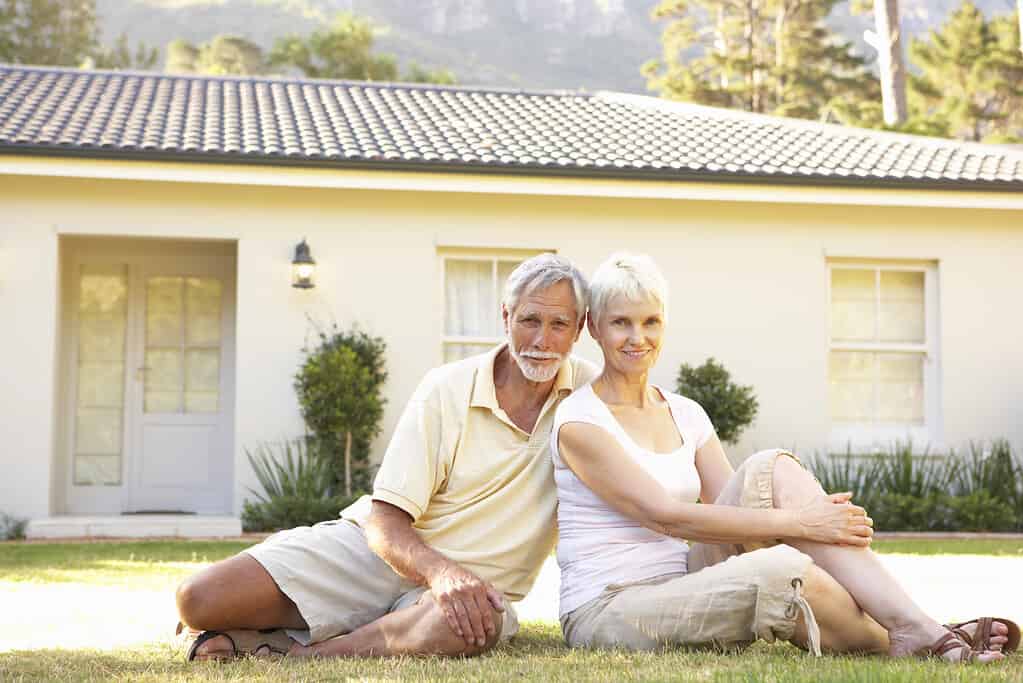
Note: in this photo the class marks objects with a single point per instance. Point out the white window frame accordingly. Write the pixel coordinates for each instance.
(494, 256)
(872, 437)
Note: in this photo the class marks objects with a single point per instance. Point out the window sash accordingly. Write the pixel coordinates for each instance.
(876, 429)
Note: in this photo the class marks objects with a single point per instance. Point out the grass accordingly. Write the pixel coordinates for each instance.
(537, 654)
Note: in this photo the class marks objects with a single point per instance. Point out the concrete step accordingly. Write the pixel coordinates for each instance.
(135, 526)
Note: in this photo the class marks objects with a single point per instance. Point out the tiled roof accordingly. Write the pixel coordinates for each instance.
(341, 124)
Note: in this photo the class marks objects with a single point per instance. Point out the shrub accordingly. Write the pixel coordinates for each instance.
(981, 491)
(730, 406)
(340, 393)
(11, 528)
(298, 487)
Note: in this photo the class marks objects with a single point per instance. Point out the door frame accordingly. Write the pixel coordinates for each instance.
(138, 254)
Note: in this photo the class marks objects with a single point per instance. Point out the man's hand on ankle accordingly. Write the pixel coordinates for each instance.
(466, 600)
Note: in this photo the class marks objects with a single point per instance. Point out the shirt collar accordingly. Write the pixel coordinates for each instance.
(484, 392)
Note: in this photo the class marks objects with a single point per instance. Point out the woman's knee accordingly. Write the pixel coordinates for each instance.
(792, 484)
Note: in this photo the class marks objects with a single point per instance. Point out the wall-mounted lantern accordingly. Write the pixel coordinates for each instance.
(303, 267)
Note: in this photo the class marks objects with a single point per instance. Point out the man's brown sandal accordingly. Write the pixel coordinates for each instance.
(948, 642)
(980, 641)
(244, 643)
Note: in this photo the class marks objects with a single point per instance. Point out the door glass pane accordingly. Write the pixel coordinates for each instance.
(851, 386)
(203, 311)
(99, 404)
(852, 304)
(101, 385)
(98, 432)
(902, 307)
(469, 298)
(164, 311)
(901, 388)
(453, 352)
(202, 380)
(164, 378)
(97, 470)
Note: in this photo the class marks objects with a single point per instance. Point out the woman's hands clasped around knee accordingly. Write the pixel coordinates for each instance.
(834, 519)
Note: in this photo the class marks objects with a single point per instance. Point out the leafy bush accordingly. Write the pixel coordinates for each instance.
(980, 491)
(340, 392)
(298, 487)
(730, 406)
(11, 528)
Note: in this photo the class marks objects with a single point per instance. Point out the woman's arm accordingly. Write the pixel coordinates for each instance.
(714, 469)
(602, 464)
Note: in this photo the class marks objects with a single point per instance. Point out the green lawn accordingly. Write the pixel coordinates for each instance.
(152, 567)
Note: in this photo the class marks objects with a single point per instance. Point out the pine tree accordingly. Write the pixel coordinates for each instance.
(47, 32)
(773, 56)
(971, 77)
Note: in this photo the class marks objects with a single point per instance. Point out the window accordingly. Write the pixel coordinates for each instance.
(473, 285)
(882, 367)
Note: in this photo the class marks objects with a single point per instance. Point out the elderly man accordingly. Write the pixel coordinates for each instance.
(461, 518)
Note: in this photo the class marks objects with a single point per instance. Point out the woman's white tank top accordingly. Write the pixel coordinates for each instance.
(597, 545)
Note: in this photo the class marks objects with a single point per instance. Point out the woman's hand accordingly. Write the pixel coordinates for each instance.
(833, 519)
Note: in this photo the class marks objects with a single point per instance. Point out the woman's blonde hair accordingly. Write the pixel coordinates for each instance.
(634, 276)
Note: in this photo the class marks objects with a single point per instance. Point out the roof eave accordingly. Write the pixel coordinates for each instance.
(534, 170)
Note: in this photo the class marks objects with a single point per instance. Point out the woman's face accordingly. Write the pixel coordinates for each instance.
(630, 334)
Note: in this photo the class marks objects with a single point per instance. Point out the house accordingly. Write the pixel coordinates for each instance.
(866, 284)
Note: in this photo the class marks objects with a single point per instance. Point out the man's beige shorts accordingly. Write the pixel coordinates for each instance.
(337, 582)
(728, 598)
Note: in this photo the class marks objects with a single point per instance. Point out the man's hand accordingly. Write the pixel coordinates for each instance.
(466, 600)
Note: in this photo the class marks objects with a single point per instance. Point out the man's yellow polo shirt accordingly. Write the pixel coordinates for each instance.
(479, 489)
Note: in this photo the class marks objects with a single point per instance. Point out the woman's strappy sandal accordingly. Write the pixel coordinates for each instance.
(980, 641)
(244, 643)
(947, 643)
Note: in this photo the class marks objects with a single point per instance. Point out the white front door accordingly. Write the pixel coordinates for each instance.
(153, 349)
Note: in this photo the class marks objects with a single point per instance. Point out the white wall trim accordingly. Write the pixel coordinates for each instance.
(288, 176)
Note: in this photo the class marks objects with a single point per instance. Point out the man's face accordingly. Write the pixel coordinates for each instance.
(542, 329)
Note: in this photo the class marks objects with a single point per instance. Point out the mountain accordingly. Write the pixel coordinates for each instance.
(565, 44)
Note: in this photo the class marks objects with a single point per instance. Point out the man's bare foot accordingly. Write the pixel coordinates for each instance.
(915, 638)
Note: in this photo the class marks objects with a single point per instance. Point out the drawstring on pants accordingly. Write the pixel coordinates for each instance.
(813, 631)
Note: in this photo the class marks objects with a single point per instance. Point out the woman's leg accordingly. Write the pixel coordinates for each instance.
(844, 627)
(861, 573)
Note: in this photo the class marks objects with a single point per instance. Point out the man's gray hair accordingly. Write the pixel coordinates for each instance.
(634, 276)
(539, 273)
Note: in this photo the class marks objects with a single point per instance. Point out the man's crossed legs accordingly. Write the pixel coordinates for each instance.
(334, 596)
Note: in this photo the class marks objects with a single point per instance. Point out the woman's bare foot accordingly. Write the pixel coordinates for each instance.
(911, 639)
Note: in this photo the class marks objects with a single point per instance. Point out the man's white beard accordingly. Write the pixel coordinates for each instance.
(533, 372)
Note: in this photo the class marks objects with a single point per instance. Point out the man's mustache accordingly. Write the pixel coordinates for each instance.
(541, 355)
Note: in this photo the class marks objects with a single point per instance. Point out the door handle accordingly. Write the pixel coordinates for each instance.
(140, 373)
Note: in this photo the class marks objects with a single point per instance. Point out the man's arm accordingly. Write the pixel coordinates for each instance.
(464, 597)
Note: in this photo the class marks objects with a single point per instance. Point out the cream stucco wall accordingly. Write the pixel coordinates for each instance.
(748, 285)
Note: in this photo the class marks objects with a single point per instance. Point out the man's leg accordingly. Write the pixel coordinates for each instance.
(420, 629)
(235, 593)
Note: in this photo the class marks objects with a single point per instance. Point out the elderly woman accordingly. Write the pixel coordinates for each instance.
(774, 557)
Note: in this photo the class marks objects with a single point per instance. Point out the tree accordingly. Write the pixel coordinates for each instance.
(773, 56)
(892, 65)
(120, 56)
(339, 389)
(730, 406)
(47, 32)
(970, 83)
(224, 55)
(345, 51)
